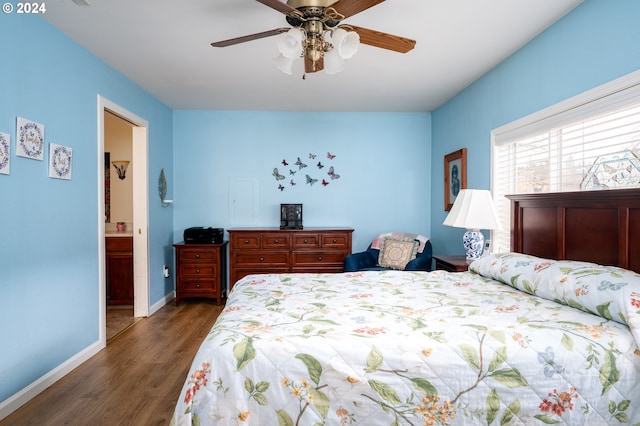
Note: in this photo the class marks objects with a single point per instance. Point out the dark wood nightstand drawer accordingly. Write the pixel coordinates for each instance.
(190, 285)
(452, 263)
(197, 255)
(204, 271)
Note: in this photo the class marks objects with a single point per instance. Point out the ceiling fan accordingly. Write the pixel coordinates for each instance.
(318, 35)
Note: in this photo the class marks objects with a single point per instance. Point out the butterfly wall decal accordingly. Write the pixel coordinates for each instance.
(324, 182)
(312, 156)
(330, 156)
(310, 180)
(292, 172)
(280, 187)
(332, 174)
(320, 165)
(277, 174)
(300, 164)
(292, 182)
(284, 163)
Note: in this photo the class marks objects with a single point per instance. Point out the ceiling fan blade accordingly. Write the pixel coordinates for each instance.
(249, 37)
(384, 40)
(310, 66)
(281, 7)
(351, 7)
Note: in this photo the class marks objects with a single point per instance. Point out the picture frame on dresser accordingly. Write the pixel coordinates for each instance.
(455, 176)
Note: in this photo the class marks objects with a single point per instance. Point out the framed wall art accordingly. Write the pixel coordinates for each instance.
(60, 161)
(5, 154)
(455, 176)
(29, 139)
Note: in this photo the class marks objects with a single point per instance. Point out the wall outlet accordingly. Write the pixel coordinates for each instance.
(166, 271)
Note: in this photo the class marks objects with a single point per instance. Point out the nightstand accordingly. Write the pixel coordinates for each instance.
(452, 263)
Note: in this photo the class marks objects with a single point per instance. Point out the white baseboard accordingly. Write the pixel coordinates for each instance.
(160, 303)
(20, 398)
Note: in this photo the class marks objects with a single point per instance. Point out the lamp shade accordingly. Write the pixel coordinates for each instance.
(290, 43)
(284, 64)
(346, 42)
(473, 209)
(333, 63)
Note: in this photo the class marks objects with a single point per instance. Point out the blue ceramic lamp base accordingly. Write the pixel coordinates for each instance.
(473, 242)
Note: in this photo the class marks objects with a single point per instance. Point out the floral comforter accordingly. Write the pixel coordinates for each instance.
(415, 348)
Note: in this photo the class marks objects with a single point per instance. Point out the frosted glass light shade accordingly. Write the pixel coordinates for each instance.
(290, 43)
(333, 63)
(345, 42)
(284, 64)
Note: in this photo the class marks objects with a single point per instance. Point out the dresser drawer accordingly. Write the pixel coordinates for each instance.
(197, 255)
(306, 241)
(318, 258)
(246, 258)
(246, 240)
(275, 241)
(335, 241)
(197, 285)
(204, 271)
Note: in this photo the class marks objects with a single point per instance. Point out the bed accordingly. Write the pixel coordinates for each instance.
(518, 339)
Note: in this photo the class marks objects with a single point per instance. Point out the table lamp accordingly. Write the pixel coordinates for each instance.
(473, 209)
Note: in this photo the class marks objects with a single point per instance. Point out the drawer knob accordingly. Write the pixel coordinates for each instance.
(335, 241)
(198, 285)
(320, 258)
(306, 241)
(276, 241)
(246, 241)
(197, 255)
(197, 271)
(262, 259)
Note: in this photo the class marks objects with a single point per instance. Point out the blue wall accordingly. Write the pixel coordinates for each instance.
(49, 227)
(597, 42)
(382, 159)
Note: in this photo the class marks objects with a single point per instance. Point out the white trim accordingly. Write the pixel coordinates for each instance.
(621, 90)
(141, 209)
(160, 303)
(23, 396)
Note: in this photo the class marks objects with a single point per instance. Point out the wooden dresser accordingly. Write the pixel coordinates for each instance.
(201, 270)
(275, 250)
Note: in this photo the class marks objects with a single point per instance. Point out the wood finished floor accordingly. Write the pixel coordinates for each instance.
(135, 380)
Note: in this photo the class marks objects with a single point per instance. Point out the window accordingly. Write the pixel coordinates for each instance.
(589, 142)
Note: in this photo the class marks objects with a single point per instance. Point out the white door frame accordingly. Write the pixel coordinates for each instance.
(140, 212)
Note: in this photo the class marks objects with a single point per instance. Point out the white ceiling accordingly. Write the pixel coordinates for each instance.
(164, 46)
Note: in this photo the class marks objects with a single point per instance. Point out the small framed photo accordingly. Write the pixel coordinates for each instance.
(455, 176)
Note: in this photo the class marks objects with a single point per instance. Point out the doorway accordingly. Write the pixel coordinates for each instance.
(130, 260)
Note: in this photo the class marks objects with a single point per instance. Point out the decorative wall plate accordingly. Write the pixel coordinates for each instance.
(30, 139)
(60, 161)
(5, 153)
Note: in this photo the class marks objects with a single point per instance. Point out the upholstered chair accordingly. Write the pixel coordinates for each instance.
(402, 251)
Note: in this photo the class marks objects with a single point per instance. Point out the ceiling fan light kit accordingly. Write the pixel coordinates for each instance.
(317, 36)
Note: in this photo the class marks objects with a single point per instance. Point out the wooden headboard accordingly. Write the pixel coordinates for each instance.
(594, 226)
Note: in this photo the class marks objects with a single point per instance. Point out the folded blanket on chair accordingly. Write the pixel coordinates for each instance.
(401, 235)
